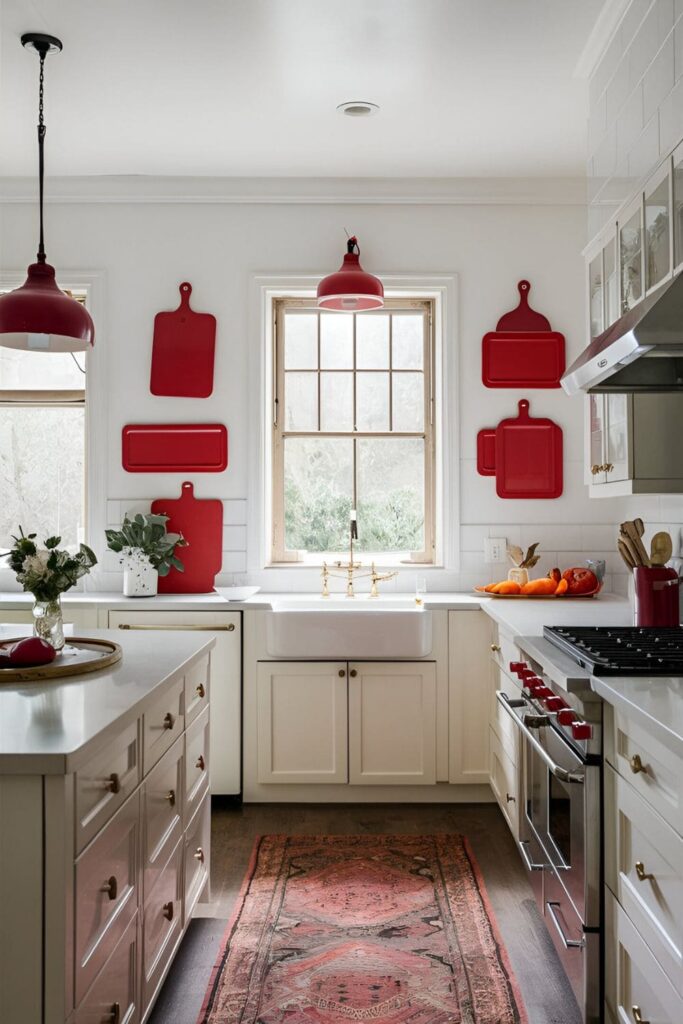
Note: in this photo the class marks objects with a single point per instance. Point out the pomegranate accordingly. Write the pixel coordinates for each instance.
(31, 651)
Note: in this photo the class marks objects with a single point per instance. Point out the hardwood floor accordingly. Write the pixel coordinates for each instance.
(545, 990)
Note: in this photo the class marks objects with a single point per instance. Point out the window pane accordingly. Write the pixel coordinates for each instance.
(301, 401)
(408, 342)
(372, 341)
(372, 401)
(35, 371)
(336, 341)
(41, 472)
(318, 493)
(391, 505)
(408, 401)
(301, 341)
(336, 401)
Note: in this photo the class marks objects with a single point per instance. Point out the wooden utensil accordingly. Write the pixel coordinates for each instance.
(625, 553)
(661, 548)
(633, 534)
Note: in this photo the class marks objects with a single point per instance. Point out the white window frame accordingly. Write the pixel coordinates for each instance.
(91, 283)
(264, 289)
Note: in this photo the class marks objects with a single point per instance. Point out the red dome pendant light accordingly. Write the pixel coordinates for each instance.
(39, 316)
(351, 289)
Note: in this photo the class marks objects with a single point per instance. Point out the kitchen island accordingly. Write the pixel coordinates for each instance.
(104, 829)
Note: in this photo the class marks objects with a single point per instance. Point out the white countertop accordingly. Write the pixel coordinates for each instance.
(44, 725)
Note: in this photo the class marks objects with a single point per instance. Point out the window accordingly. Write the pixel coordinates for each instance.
(42, 444)
(353, 429)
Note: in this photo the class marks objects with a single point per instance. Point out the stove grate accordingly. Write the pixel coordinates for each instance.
(621, 650)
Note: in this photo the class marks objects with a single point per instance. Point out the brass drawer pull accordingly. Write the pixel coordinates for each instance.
(643, 876)
(510, 799)
(169, 720)
(168, 910)
(199, 855)
(608, 467)
(230, 628)
(637, 1016)
(637, 765)
(200, 691)
(114, 1015)
(170, 796)
(595, 469)
(495, 648)
(113, 783)
(111, 887)
(199, 763)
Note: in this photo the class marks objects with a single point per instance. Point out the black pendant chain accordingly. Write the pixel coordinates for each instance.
(41, 158)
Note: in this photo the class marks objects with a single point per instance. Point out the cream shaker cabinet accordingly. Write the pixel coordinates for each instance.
(226, 681)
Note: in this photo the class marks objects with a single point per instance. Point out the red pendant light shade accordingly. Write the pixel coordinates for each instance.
(351, 289)
(39, 316)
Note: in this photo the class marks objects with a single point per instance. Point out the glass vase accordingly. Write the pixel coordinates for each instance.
(48, 623)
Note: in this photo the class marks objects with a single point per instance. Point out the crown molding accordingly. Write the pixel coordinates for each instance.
(602, 34)
(303, 191)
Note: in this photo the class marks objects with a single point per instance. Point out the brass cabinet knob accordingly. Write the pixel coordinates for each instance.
(595, 469)
(111, 887)
(342, 673)
(200, 691)
(643, 876)
(167, 910)
(637, 764)
(637, 1015)
(199, 855)
(199, 763)
(353, 673)
(495, 648)
(113, 783)
(169, 720)
(170, 796)
(510, 799)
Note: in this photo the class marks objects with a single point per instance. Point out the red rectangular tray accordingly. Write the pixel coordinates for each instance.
(516, 359)
(174, 447)
(528, 457)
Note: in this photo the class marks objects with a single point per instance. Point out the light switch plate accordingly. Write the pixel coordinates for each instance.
(495, 549)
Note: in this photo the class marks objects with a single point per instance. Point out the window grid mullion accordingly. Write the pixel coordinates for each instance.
(319, 378)
(391, 378)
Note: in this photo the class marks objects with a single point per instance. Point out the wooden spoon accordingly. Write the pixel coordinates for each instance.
(661, 548)
(625, 553)
(633, 534)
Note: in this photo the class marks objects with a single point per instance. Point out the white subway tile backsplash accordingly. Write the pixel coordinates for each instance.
(597, 535)
(616, 92)
(632, 21)
(630, 123)
(678, 49)
(605, 160)
(649, 38)
(659, 78)
(234, 538)
(234, 561)
(113, 512)
(671, 118)
(234, 512)
(472, 537)
(551, 536)
(645, 152)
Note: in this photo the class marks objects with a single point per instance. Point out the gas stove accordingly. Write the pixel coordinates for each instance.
(621, 650)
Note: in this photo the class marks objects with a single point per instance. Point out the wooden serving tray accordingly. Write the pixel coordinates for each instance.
(537, 597)
(78, 656)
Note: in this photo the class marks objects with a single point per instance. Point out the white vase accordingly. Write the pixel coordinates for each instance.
(140, 578)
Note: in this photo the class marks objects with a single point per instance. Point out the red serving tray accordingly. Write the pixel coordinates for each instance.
(201, 524)
(523, 351)
(486, 452)
(528, 457)
(174, 448)
(183, 351)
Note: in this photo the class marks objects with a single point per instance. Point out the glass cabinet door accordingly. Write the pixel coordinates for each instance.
(631, 259)
(678, 206)
(597, 295)
(617, 437)
(657, 229)
(596, 413)
(610, 287)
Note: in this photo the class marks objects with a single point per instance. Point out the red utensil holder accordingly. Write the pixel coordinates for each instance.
(656, 591)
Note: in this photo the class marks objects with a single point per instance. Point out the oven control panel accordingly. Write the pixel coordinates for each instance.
(578, 722)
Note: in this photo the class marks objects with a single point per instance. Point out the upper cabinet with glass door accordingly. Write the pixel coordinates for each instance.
(631, 255)
(677, 178)
(602, 285)
(658, 235)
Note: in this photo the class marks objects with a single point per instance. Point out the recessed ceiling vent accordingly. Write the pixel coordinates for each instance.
(358, 108)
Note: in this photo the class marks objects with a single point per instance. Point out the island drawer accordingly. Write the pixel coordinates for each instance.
(197, 688)
(112, 996)
(162, 801)
(164, 721)
(197, 854)
(104, 782)
(196, 762)
(162, 924)
(106, 880)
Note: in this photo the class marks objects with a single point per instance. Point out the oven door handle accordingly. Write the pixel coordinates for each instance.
(560, 773)
(567, 943)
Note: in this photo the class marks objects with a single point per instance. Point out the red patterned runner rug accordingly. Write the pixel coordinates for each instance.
(390, 929)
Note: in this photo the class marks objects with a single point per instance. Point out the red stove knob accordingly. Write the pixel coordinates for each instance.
(517, 666)
(566, 716)
(582, 731)
(527, 673)
(543, 692)
(554, 703)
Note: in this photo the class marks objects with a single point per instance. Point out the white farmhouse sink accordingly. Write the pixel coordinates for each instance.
(341, 627)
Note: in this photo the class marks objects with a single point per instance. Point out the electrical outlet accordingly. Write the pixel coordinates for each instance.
(495, 549)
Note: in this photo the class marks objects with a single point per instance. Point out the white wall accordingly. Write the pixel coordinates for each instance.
(146, 249)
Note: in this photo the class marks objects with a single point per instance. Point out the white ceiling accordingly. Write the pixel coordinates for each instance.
(250, 87)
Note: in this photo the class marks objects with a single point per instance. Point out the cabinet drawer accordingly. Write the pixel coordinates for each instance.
(104, 782)
(163, 722)
(501, 723)
(652, 769)
(503, 650)
(196, 762)
(197, 688)
(197, 854)
(162, 925)
(636, 835)
(162, 802)
(504, 782)
(106, 892)
(113, 995)
(634, 981)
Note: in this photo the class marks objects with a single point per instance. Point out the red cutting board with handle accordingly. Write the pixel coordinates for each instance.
(201, 523)
(183, 350)
(528, 457)
(523, 351)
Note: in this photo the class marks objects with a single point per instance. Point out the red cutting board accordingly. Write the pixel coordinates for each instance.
(201, 523)
(523, 351)
(183, 351)
(528, 457)
(174, 448)
(486, 452)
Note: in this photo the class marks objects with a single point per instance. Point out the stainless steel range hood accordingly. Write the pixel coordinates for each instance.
(642, 351)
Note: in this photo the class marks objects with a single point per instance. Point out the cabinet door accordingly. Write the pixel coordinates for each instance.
(658, 233)
(302, 721)
(597, 428)
(225, 683)
(678, 207)
(471, 642)
(631, 255)
(392, 723)
(618, 444)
